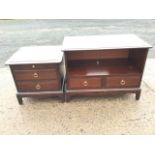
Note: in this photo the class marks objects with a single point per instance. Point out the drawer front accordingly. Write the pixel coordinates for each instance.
(97, 54)
(35, 74)
(33, 66)
(29, 86)
(122, 81)
(84, 83)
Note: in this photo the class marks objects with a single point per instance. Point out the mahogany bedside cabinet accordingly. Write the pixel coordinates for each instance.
(102, 65)
(37, 71)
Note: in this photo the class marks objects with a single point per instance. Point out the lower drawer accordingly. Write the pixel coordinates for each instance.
(27, 86)
(122, 81)
(84, 83)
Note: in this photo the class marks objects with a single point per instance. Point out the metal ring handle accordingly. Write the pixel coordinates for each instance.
(35, 75)
(38, 87)
(85, 83)
(33, 66)
(122, 82)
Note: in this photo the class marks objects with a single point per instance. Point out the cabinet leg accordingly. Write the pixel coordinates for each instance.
(138, 95)
(62, 98)
(19, 98)
(67, 98)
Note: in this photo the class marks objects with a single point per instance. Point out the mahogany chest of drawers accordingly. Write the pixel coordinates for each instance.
(102, 65)
(37, 71)
(91, 65)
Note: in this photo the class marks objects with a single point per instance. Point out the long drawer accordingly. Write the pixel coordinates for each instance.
(33, 66)
(122, 81)
(28, 86)
(84, 83)
(41, 74)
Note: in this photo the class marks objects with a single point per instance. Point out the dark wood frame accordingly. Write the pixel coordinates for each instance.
(59, 92)
(137, 54)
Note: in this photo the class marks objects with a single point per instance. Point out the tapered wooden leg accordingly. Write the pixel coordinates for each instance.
(62, 98)
(67, 98)
(138, 95)
(19, 98)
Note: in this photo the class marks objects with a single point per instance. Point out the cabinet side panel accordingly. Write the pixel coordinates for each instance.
(138, 56)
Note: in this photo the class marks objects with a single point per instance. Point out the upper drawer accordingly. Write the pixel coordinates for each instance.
(33, 66)
(122, 81)
(84, 83)
(41, 74)
(97, 54)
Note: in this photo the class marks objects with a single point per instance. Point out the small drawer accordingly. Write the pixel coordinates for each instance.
(33, 66)
(41, 74)
(29, 86)
(84, 83)
(122, 81)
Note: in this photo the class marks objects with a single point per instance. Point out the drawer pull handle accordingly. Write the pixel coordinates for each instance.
(97, 62)
(38, 87)
(122, 82)
(35, 75)
(33, 66)
(85, 83)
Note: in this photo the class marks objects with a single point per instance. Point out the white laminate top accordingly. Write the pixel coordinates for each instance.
(36, 55)
(121, 41)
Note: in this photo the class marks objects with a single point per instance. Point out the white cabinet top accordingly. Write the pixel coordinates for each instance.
(121, 41)
(37, 55)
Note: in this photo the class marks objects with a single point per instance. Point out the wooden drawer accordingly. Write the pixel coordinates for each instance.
(41, 74)
(28, 86)
(98, 54)
(33, 66)
(84, 83)
(122, 81)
